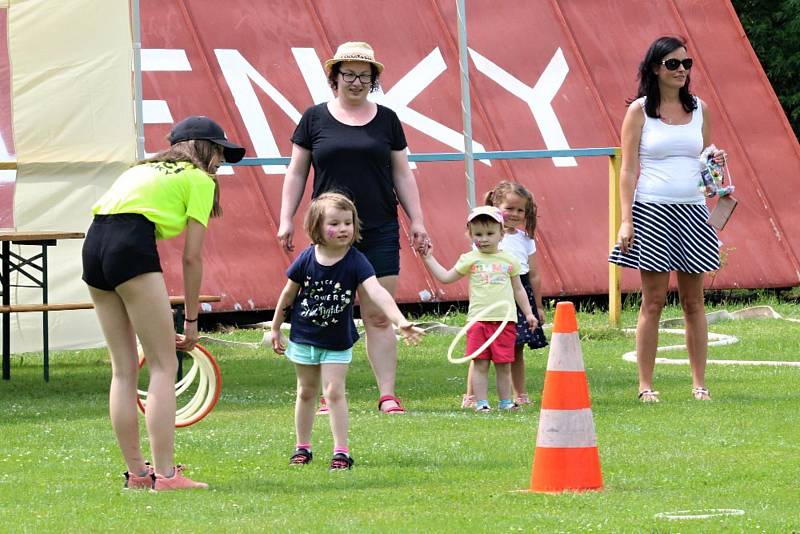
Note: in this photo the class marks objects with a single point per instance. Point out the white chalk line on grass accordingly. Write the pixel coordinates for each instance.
(717, 340)
(698, 514)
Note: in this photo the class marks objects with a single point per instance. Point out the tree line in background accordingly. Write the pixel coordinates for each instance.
(773, 28)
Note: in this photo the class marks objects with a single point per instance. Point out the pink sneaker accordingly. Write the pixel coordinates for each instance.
(522, 399)
(136, 482)
(468, 401)
(323, 407)
(177, 482)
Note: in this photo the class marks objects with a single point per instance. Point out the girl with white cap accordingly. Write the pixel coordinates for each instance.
(493, 277)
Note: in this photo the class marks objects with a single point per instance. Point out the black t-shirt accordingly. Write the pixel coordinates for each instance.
(322, 311)
(355, 160)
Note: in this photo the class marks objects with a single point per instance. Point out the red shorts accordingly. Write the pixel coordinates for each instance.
(501, 350)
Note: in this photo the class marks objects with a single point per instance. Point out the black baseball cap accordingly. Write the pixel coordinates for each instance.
(201, 127)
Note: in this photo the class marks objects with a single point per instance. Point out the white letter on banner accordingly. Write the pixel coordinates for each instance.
(407, 89)
(161, 60)
(538, 98)
(164, 60)
(239, 74)
(313, 74)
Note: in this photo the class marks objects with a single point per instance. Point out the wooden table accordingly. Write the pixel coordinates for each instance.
(35, 273)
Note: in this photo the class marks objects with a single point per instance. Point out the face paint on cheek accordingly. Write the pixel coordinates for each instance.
(331, 233)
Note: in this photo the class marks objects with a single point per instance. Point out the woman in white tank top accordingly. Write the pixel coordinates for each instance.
(664, 214)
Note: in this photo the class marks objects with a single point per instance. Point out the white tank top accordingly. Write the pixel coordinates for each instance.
(668, 160)
(521, 247)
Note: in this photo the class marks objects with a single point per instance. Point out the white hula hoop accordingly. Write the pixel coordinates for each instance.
(461, 333)
(209, 384)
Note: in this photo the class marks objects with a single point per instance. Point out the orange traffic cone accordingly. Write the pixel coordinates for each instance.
(566, 457)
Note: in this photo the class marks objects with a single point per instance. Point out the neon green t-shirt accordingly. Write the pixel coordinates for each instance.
(489, 282)
(166, 193)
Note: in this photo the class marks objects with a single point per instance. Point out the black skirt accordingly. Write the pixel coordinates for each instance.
(535, 338)
(670, 237)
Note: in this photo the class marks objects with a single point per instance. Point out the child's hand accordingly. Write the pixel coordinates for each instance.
(277, 341)
(531, 320)
(411, 334)
(425, 249)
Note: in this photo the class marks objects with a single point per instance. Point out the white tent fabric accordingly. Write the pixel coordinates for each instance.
(72, 101)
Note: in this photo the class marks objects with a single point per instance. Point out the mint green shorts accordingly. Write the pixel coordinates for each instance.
(302, 354)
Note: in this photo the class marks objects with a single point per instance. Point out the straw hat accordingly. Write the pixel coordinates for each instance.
(353, 51)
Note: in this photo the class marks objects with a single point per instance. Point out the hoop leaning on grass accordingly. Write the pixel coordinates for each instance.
(205, 397)
(470, 324)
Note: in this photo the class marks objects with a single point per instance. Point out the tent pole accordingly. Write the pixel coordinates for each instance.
(137, 79)
(465, 102)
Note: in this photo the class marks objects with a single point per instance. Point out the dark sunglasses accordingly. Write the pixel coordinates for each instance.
(673, 64)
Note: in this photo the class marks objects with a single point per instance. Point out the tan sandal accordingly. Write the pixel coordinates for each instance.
(701, 394)
(648, 395)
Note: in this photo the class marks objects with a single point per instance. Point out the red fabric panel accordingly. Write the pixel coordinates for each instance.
(601, 43)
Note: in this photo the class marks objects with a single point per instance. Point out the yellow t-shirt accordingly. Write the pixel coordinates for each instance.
(166, 193)
(489, 281)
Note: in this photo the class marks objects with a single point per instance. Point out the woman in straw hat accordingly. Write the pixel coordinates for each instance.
(357, 148)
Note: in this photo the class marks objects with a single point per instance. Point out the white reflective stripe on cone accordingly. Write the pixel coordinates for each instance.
(565, 353)
(566, 429)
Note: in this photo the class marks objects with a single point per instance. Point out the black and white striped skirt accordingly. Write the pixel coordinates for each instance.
(670, 237)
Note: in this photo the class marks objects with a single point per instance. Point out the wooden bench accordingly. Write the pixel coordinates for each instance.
(176, 302)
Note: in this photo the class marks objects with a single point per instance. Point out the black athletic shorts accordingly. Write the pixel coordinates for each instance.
(117, 248)
(381, 246)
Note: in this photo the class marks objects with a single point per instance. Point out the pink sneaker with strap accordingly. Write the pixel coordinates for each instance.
(177, 482)
(140, 482)
(522, 399)
(323, 407)
(468, 401)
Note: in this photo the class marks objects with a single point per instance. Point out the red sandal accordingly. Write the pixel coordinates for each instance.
(394, 409)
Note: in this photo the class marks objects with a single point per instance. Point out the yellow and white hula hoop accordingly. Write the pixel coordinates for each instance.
(509, 307)
(209, 386)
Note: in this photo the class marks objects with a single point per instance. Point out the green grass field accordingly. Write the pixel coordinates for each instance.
(436, 469)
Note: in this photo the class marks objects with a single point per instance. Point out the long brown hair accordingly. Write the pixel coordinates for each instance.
(496, 196)
(203, 154)
(648, 80)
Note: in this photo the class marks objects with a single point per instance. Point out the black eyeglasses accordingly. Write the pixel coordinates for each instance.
(350, 77)
(673, 64)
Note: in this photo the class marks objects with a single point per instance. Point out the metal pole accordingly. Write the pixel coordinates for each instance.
(465, 102)
(137, 79)
(614, 219)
